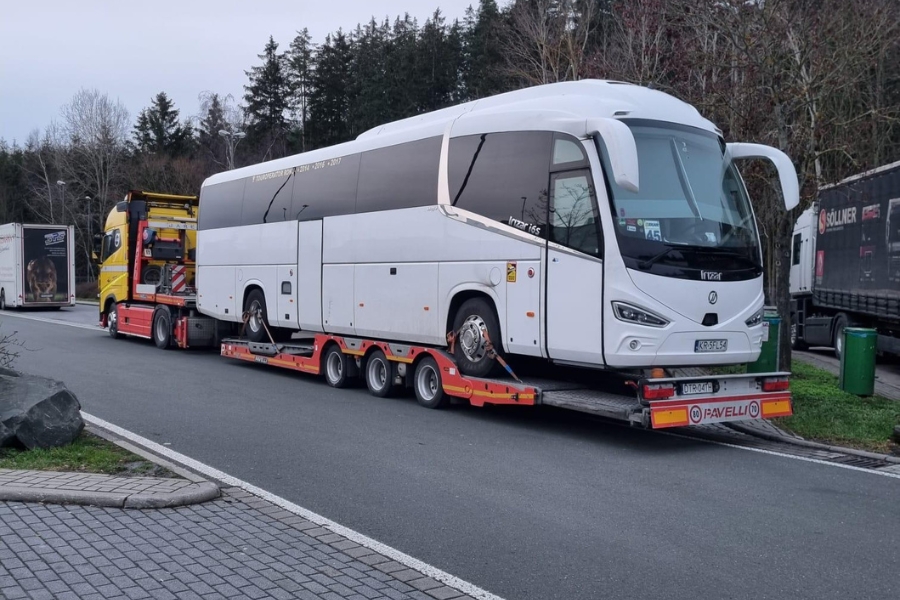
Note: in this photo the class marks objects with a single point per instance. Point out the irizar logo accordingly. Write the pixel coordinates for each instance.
(711, 275)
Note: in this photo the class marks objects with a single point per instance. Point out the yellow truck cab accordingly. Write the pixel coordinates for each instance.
(147, 270)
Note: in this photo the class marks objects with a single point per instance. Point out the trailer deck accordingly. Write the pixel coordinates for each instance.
(691, 398)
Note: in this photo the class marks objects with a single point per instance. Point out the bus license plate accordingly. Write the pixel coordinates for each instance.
(710, 345)
(696, 387)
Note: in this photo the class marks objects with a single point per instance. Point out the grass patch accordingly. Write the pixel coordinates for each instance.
(87, 454)
(825, 413)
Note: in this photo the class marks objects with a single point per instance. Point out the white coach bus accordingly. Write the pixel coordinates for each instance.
(590, 223)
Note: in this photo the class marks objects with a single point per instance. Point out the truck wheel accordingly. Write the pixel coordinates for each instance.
(112, 321)
(839, 324)
(796, 342)
(335, 363)
(162, 328)
(378, 374)
(429, 390)
(472, 319)
(256, 306)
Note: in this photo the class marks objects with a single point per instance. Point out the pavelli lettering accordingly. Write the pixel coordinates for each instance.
(726, 412)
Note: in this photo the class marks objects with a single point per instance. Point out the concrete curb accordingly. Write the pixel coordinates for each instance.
(193, 494)
(786, 439)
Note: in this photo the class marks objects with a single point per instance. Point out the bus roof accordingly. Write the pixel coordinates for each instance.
(563, 107)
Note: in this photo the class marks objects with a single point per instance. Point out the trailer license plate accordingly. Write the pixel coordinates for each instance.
(710, 345)
(696, 387)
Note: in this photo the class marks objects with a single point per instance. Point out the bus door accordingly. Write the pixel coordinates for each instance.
(574, 270)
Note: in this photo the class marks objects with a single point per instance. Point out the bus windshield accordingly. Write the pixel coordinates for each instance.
(692, 212)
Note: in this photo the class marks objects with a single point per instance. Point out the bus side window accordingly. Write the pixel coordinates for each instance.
(503, 176)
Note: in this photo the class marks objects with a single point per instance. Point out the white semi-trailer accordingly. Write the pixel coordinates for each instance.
(591, 224)
(37, 265)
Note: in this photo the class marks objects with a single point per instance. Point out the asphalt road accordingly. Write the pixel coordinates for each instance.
(526, 503)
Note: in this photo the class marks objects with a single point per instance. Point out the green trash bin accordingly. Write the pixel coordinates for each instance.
(770, 353)
(858, 361)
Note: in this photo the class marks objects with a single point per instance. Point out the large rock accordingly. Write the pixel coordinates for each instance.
(37, 411)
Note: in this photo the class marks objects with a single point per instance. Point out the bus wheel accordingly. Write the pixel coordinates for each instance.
(429, 390)
(378, 374)
(162, 328)
(112, 321)
(256, 306)
(473, 318)
(335, 367)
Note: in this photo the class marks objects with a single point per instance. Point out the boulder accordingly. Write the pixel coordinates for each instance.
(37, 411)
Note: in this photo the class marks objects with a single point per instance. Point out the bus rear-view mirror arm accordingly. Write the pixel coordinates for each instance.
(790, 188)
(622, 150)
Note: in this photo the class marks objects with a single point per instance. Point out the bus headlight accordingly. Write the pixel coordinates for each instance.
(756, 319)
(632, 314)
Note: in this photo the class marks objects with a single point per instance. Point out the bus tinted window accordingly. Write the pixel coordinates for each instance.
(401, 176)
(267, 198)
(325, 188)
(220, 205)
(503, 176)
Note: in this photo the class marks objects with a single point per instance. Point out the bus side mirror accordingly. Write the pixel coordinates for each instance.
(790, 188)
(623, 156)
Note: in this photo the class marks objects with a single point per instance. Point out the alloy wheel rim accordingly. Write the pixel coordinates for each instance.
(471, 338)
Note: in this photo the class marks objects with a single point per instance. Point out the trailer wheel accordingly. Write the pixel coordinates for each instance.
(378, 374)
(112, 321)
(162, 328)
(2, 299)
(472, 319)
(428, 386)
(840, 323)
(336, 367)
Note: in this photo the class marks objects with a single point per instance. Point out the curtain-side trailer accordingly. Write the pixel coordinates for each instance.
(37, 265)
(845, 262)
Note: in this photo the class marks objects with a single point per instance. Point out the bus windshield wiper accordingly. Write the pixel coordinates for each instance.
(646, 264)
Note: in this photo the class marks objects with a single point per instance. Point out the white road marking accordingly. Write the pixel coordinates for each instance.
(463, 586)
(784, 455)
(53, 321)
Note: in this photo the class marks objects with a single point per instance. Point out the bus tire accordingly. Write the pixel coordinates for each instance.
(475, 315)
(378, 375)
(256, 303)
(112, 321)
(162, 328)
(427, 384)
(335, 366)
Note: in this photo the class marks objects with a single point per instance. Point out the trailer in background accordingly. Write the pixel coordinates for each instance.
(845, 266)
(37, 265)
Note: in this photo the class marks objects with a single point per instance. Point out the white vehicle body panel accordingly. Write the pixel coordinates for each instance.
(14, 263)
(394, 274)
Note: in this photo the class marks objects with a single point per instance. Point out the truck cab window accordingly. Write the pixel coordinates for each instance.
(795, 258)
(112, 241)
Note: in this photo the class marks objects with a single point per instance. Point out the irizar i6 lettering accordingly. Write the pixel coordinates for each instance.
(588, 224)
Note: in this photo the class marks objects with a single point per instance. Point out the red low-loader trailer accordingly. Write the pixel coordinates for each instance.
(656, 401)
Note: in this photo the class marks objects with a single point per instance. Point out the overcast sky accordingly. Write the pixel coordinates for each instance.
(132, 50)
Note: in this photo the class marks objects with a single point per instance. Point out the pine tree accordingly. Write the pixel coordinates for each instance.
(267, 101)
(208, 132)
(369, 103)
(330, 101)
(158, 130)
(483, 57)
(299, 73)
